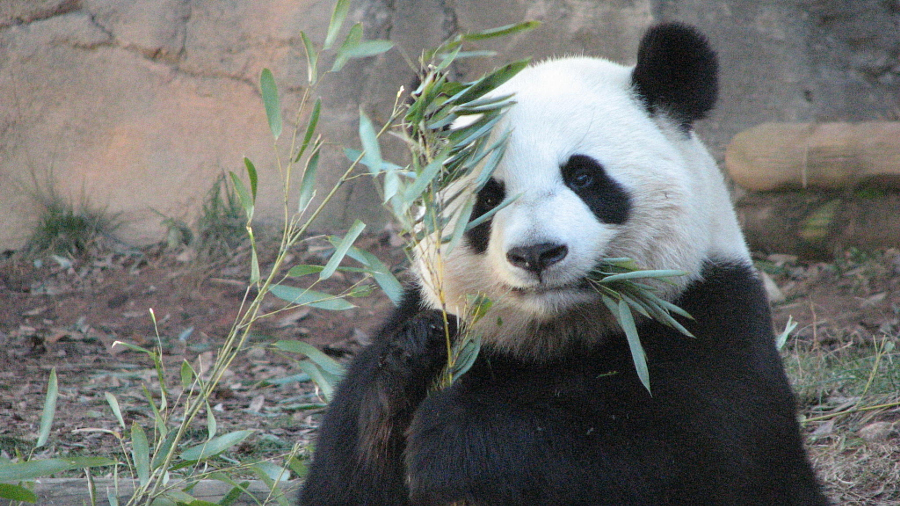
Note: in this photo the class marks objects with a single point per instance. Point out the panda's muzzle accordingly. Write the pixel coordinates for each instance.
(536, 258)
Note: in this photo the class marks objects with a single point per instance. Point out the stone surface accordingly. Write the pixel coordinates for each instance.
(780, 156)
(138, 105)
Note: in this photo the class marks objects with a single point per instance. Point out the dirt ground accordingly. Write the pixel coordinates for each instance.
(65, 314)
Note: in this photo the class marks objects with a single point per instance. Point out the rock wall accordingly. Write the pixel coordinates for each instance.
(138, 105)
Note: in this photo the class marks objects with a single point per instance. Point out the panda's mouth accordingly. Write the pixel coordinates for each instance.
(548, 289)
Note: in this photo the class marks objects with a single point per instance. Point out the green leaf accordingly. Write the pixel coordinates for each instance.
(312, 60)
(425, 178)
(462, 222)
(251, 175)
(368, 48)
(140, 452)
(338, 15)
(308, 183)
(467, 356)
(133, 347)
(327, 363)
(215, 445)
(326, 382)
(187, 374)
(163, 449)
(269, 91)
(341, 250)
(501, 31)
(311, 298)
(371, 148)
(490, 214)
(626, 321)
(491, 81)
(114, 406)
(17, 493)
(254, 263)
(310, 128)
(243, 195)
(353, 40)
(49, 410)
(298, 271)
(32, 469)
(267, 473)
(211, 425)
(782, 338)
(380, 273)
(657, 274)
(236, 491)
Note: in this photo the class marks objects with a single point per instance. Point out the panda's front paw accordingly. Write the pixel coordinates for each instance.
(418, 350)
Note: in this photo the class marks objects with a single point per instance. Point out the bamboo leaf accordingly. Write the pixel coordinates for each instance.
(655, 274)
(371, 148)
(310, 128)
(133, 347)
(501, 31)
(638, 356)
(17, 493)
(353, 40)
(140, 453)
(491, 81)
(251, 175)
(320, 377)
(312, 60)
(327, 363)
(368, 48)
(49, 410)
(269, 91)
(243, 195)
(215, 445)
(308, 183)
(782, 338)
(163, 449)
(468, 354)
(380, 273)
(211, 425)
(114, 406)
(32, 469)
(311, 298)
(254, 263)
(462, 223)
(304, 270)
(341, 249)
(187, 374)
(338, 15)
(425, 178)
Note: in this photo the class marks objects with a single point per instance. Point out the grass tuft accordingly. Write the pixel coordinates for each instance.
(67, 228)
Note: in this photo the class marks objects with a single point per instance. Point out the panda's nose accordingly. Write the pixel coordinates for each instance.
(537, 257)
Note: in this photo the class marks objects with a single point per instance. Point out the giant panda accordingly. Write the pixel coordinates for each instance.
(604, 162)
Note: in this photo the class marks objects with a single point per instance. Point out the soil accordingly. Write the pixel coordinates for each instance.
(65, 314)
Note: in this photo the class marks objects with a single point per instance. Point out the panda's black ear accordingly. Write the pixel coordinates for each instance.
(676, 72)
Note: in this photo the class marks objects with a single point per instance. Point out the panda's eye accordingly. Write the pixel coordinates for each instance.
(581, 179)
(490, 196)
(491, 200)
(581, 172)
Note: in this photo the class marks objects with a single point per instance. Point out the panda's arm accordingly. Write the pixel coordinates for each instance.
(359, 453)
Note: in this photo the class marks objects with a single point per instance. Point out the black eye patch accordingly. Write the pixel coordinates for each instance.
(488, 198)
(607, 199)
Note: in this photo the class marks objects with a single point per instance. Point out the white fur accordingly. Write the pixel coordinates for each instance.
(681, 213)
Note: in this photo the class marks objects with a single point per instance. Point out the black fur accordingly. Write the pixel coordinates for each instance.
(719, 428)
(607, 199)
(676, 73)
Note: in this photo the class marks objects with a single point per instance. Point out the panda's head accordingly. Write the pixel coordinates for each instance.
(602, 162)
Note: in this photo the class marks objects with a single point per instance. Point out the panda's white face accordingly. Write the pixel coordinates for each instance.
(592, 175)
